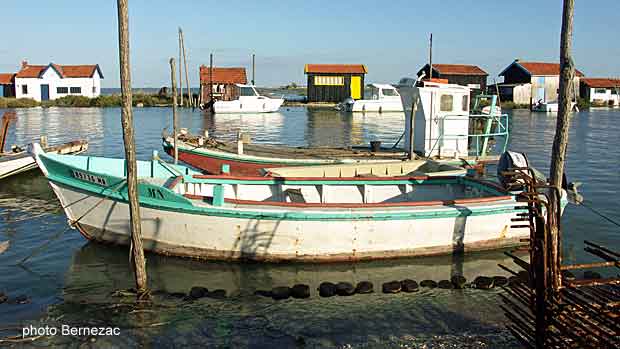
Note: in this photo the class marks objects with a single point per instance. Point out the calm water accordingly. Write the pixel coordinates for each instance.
(71, 281)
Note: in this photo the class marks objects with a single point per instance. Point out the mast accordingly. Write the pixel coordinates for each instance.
(430, 58)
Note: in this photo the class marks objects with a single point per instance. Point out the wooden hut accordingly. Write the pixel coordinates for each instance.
(222, 84)
(335, 82)
(461, 74)
(7, 85)
(540, 79)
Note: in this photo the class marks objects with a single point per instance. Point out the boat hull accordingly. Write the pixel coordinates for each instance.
(254, 105)
(375, 106)
(12, 165)
(261, 238)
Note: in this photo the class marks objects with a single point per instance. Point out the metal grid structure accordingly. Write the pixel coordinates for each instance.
(547, 306)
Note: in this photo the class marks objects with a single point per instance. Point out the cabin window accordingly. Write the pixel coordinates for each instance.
(390, 93)
(600, 90)
(25, 89)
(76, 90)
(465, 103)
(94, 89)
(329, 80)
(62, 90)
(445, 103)
(246, 91)
(614, 92)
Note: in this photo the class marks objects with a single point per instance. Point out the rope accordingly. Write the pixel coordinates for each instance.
(600, 214)
(71, 224)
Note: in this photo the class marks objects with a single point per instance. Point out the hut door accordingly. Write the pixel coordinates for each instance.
(356, 87)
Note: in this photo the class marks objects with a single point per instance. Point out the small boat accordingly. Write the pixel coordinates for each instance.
(249, 101)
(425, 168)
(453, 136)
(185, 213)
(18, 160)
(385, 98)
(551, 107)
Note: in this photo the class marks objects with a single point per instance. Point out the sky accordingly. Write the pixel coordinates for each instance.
(390, 36)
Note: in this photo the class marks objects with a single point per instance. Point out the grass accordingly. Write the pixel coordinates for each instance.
(103, 101)
(513, 105)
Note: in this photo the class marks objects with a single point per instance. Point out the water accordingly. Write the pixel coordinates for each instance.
(71, 281)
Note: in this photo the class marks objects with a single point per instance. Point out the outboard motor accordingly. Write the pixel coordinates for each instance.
(508, 160)
(346, 105)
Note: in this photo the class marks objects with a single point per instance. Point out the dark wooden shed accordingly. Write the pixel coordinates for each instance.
(460, 74)
(223, 83)
(7, 85)
(335, 82)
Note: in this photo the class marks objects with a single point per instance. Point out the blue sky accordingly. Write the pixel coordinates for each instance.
(390, 37)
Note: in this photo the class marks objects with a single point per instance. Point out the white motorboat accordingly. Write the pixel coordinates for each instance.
(249, 101)
(384, 98)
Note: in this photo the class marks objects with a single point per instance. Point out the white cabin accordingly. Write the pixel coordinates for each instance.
(52, 81)
(384, 98)
(441, 120)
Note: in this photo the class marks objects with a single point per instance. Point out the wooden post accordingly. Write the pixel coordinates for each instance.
(430, 58)
(175, 125)
(211, 77)
(136, 250)
(4, 129)
(180, 70)
(189, 91)
(253, 69)
(560, 142)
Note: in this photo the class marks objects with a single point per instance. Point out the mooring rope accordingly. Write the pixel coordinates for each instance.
(599, 214)
(71, 223)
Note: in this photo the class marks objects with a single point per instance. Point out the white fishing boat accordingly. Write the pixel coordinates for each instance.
(384, 98)
(185, 213)
(249, 101)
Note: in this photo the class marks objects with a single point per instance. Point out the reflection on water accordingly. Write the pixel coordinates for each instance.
(70, 270)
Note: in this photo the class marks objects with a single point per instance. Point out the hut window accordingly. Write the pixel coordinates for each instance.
(62, 90)
(25, 89)
(465, 103)
(329, 80)
(600, 90)
(75, 90)
(614, 92)
(446, 102)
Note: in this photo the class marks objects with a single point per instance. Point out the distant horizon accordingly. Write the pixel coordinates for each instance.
(390, 38)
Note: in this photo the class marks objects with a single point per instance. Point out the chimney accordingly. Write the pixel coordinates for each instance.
(24, 63)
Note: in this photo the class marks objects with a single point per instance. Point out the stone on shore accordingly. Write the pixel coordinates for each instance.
(345, 289)
(364, 287)
(458, 281)
(484, 283)
(279, 293)
(428, 283)
(409, 285)
(391, 287)
(198, 292)
(300, 291)
(327, 289)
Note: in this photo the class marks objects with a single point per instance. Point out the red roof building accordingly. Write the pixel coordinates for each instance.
(222, 85)
(541, 81)
(7, 85)
(335, 82)
(460, 74)
(605, 91)
(47, 82)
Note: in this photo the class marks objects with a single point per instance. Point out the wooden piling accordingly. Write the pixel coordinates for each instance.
(210, 77)
(180, 70)
(560, 142)
(175, 125)
(189, 91)
(136, 250)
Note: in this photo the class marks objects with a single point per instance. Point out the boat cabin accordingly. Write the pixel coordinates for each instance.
(383, 91)
(439, 115)
(246, 90)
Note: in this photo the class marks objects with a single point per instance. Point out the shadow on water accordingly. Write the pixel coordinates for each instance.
(243, 319)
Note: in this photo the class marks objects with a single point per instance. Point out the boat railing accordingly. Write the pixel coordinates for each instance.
(495, 125)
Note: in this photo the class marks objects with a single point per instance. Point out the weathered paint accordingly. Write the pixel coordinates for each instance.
(173, 224)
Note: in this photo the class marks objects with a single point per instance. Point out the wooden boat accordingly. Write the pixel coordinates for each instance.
(451, 136)
(385, 98)
(20, 161)
(228, 217)
(426, 168)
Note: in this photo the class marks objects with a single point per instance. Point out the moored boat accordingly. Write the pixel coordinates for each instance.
(450, 135)
(384, 98)
(228, 217)
(248, 101)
